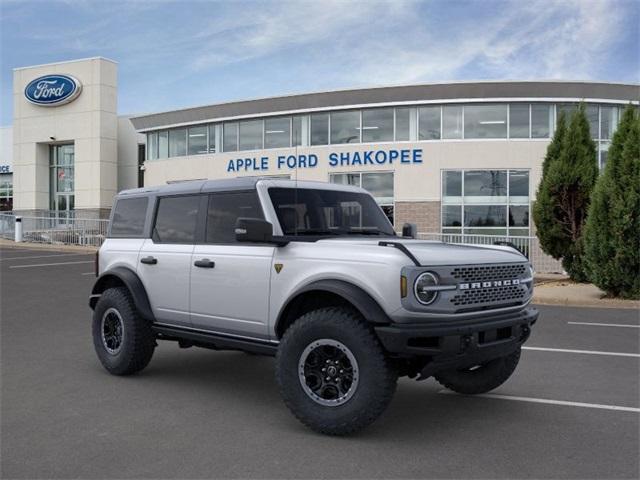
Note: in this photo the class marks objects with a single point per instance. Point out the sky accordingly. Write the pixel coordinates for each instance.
(176, 54)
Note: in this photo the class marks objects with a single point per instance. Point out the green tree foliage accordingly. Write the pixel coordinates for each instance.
(612, 233)
(563, 198)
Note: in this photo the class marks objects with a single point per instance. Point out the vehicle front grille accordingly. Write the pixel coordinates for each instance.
(488, 273)
(488, 286)
(513, 294)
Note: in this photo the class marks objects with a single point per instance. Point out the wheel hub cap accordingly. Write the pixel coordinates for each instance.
(328, 372)
(112, 331)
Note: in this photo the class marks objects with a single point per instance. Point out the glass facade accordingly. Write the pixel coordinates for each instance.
(61, 178)
(378, 184)
(197, 140)
(429, 123)
(277, 132)
(319, 129)
(485, 121)
(375, 125)
(178, 142)
(6, 192)
(345, 127)
(485, 202)
(403, 124)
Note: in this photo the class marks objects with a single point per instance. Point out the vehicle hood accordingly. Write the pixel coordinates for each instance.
(430, 253)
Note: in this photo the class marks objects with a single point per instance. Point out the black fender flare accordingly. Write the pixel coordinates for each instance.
(360, 299)
(133, 283)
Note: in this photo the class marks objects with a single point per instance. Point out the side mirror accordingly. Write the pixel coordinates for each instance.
(410, 230)
(253, 230)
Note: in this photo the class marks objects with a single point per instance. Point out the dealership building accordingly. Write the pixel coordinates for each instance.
(460, 157)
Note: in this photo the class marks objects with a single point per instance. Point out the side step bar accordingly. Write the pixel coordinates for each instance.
(215, 341)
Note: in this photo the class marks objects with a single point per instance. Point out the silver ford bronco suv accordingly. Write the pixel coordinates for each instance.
(313, 274)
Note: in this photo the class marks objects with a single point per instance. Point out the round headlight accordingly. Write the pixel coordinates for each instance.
(423, 288)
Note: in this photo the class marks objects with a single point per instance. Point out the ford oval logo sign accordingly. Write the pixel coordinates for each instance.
(53, 90)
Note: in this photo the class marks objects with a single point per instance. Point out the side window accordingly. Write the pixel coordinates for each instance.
(128, 217)
(176, 219)
(224, 210)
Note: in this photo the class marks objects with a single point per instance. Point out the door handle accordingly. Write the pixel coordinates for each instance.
(204, 263)
(149, 260)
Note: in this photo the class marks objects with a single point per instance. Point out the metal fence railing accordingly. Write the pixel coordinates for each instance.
(7, 226)
(56, 230)
(529, 246)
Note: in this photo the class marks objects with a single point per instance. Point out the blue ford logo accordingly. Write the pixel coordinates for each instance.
(53, 90)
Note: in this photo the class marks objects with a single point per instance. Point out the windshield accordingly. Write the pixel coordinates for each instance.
(305, 211)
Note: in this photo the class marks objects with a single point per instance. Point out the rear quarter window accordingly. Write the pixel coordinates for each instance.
(128, 217)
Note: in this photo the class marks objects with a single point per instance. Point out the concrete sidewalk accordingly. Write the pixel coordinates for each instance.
(565, 292)
(46, 246)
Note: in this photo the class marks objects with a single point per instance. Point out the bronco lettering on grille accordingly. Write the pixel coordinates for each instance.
(495, 283)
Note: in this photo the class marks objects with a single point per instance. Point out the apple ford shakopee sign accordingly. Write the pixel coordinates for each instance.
(53, 90)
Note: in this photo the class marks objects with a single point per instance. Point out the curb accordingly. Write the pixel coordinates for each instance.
(604, 303)
(46, 246)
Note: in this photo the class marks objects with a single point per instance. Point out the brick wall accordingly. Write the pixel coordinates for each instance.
(426, 215)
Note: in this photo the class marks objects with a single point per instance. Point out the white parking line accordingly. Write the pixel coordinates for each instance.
(548, 401)
(588, 352)
(49, 264)
(88, 273)
(44, 256)
(604, 324)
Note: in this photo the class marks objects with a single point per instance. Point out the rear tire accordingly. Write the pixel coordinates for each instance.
(123, 340)
(480, 379)
(359, 383)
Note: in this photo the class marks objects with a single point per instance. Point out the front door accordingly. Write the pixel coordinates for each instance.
(229, 280)
(164, 262)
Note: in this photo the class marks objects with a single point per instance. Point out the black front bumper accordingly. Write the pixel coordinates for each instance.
(458, 344)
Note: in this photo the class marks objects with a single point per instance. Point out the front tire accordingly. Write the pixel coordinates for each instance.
(481, 378)
(332, 372)
(123, 340)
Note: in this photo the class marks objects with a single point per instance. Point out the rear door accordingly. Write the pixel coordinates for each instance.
(164, 262)
(230, 280)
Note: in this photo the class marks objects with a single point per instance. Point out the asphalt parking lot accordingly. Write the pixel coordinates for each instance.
(571, 410)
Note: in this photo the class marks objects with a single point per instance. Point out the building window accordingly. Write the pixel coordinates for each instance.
(212, 138)
(377, 125)
(230, 137)
(592, 113)
(296, 130)
(485, 121)
(178, 142)
(403, 124)
(6, 192)
(345, 127)
(163, 144)
(519, 120)
(541, 120)
(251, 133)
(320, 129)
(429, 123)
(277, 132)
(608, 122)
(452, 121)
(378, 184)
(485, 202)
(61, 179)
(197, 140)
(152, 146)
